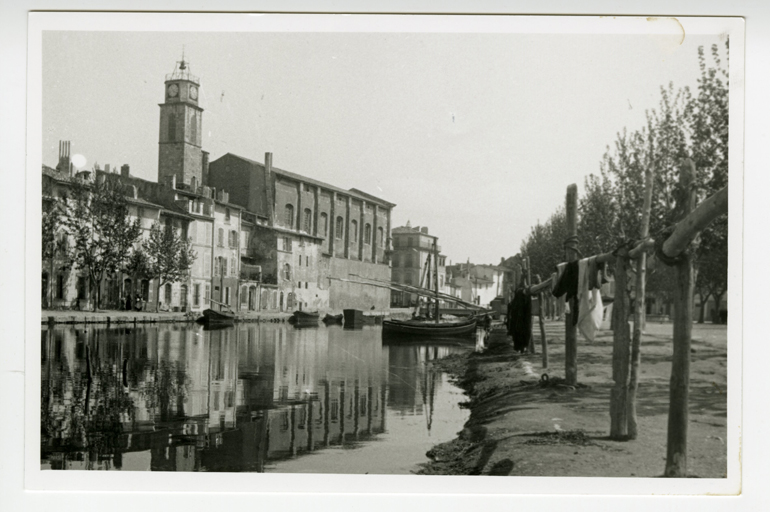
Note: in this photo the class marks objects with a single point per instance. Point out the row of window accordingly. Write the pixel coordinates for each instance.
(412, 259)
(221, 262)
(323, 221)
(232, 238)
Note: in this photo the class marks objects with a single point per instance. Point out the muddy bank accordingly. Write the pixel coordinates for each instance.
(525, 421)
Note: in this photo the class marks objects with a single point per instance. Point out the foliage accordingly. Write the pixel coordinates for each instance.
(610, 210)
(169, 255)
(102, 232)
(545, 244)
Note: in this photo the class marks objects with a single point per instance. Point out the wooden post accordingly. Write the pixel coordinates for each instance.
(543, 340)
(620, 352)
(531, 345)
(639, 305)
(678, 415)
(570, 330)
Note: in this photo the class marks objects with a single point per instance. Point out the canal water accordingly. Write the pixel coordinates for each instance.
(255, 397)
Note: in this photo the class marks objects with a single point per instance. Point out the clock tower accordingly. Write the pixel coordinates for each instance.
(179, 151)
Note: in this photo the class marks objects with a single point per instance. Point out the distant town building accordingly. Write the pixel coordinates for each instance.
(411, 248)
(479, 284)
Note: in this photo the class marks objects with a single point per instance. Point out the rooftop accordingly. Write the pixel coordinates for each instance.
(298, 177)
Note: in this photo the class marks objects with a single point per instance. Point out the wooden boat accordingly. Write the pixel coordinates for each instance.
(305, 318)
(428, 328)
(332, 319)
(216, 318)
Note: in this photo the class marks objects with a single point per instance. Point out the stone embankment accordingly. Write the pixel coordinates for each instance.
(109, 317)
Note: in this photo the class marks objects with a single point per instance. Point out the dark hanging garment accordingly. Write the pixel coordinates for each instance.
(521, 320)
(569, 284)
(509, 318)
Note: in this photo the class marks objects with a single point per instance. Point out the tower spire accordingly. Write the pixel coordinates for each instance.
(182, 63)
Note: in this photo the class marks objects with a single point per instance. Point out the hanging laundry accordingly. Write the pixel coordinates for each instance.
(568, 284)
(520, 320)
(556, 276)
(590, 299)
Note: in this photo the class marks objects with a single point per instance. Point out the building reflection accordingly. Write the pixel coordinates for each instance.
(178, 398)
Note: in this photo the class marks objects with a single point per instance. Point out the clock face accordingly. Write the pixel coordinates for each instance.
(173, 90)
(194, 92)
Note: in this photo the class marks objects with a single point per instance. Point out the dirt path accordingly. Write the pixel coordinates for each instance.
(520, 427)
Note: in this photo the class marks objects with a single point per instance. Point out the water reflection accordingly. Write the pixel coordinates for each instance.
(178, 398)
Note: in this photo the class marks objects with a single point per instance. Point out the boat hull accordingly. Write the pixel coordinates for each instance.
(332, 319)
(423, 330)
(211, 317)
(305, 318)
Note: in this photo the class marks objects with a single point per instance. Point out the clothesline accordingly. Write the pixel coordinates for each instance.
(683, 233)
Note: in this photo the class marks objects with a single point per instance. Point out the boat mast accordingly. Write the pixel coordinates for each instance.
(435, 276)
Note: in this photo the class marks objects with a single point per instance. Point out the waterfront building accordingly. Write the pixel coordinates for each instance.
(316, 235)
(411, 248)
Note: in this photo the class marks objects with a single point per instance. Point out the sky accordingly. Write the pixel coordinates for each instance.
(475, 135)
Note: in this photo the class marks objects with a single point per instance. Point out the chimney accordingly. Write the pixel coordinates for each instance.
(64, 157)
(269, 196)
(424, 230)
(107, 168)
(124, 171)
(204, 168)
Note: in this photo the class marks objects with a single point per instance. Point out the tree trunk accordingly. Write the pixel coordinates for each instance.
(95, 289)
(570, 330)
(703, 300)
(639, 308)
(717, 306)
(157, 297)
(50, 286)
(636, 347)
(678, 414)
(543, 340)
(620, 355)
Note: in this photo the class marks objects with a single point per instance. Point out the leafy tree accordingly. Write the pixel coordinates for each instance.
(97, 220)
(54, 243)
(137, 265)
(169, 256)
(545, 244)
(610, 209)
(711, 279)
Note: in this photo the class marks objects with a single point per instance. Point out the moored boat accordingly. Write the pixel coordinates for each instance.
(428, 328)
(332, 319)
(216, 318)
(305, 318)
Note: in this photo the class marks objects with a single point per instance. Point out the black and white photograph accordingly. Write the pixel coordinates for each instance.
(362, 247)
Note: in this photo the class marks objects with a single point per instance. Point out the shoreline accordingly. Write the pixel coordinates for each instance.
(109, 317)
(522, 424)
